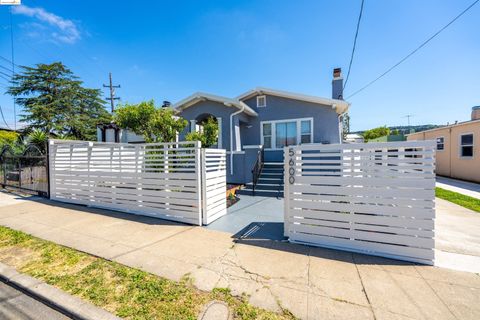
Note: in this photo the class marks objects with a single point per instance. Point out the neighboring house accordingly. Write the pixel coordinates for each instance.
(354, 138)
(266, 117)
(110, 132)
(458, 152)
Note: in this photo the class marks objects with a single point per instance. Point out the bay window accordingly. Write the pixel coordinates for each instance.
(281, 133)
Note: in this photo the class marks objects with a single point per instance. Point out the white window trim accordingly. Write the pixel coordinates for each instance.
(274, 131)
(460, 145)
(264, 99)
(441, 150)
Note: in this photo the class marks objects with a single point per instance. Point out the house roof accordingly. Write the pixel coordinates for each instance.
(340, 106)
(202, 96)
(458, 124)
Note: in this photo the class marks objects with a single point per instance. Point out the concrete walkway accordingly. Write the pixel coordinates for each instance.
(259, 217)
(464, 187)
(313, 283)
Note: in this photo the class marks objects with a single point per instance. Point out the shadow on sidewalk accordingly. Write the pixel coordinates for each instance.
(270, 235)
(104, 212)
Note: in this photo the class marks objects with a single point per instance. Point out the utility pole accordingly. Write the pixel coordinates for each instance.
(408, 116)
(112, 97)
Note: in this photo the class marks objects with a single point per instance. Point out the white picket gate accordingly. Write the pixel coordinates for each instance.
(374, 198)
(164, 180)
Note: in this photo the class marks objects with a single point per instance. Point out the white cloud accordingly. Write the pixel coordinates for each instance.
(65, 30)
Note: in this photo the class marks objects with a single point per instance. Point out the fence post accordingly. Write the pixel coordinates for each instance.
(199, 167)
(204, 186)
(51, 168)
(286, 192)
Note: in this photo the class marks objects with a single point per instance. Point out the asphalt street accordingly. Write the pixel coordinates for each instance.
(15, 305)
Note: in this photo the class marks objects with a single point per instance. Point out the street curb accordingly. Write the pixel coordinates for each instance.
(57, 299)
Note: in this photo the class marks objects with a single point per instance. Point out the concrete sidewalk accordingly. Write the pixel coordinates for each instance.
(464, 187)
(313, 283)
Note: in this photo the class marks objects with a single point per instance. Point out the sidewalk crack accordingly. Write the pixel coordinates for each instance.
(363, 287)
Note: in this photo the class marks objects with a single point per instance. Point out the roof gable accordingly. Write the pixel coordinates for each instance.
(340, 106)
(202, 96)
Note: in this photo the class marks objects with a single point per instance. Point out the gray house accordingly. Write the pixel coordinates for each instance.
(266, 119)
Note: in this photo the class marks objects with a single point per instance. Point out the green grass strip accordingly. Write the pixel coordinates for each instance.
(127, 292)
(458, 198)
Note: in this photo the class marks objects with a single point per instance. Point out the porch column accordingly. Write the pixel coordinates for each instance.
(193, 125)
(219, 142)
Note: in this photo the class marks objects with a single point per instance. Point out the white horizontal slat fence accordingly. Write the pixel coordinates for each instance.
(214, 175)
(374, 198)
(158, 179)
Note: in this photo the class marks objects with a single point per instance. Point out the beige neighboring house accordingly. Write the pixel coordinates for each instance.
(458, 148)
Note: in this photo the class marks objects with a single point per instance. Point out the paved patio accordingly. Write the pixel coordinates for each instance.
(313, 283)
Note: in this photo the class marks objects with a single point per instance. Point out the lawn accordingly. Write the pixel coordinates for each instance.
(458, 198)
(127, 292)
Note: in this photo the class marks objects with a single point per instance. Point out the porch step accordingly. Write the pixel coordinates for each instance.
(260, 193)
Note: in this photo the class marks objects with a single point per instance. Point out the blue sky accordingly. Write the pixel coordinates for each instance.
(166, 50)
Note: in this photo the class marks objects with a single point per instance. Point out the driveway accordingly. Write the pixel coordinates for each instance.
(313, 283)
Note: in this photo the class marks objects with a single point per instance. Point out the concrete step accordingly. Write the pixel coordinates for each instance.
(270, 180)
(273, 164)
(269, 173)
(272, 171)
(260, 193)
(263, 186)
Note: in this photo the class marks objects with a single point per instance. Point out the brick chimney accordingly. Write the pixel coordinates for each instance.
(476, 113)
(337, 84)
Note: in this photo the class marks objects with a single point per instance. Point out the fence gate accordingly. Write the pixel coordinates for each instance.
(26, 171)
(374, 198)
(162, 180)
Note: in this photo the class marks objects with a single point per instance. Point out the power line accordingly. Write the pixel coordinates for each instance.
(9, 61)
(414, 51)
(3, 117)
(5, 68)
(5, 78)
(354, 44)
(5, 74)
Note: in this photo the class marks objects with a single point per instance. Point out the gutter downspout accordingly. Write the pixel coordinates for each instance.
(231, 137)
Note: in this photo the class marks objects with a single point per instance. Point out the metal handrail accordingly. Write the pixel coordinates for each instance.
(257, 168)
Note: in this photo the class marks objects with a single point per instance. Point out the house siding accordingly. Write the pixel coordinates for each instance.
(325, 128)
(325, 121)
(449, 163)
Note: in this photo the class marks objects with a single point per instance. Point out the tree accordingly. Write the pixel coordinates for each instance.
(345, 125)
(376, 133)
(208, 135)
(154, 124)
(8, 138)
(54, 101)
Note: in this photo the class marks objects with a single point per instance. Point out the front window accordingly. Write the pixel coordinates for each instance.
(306, 134)
(267, 135)
(286, 134)
(466, 145)
(279, 134)
(440, 143)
